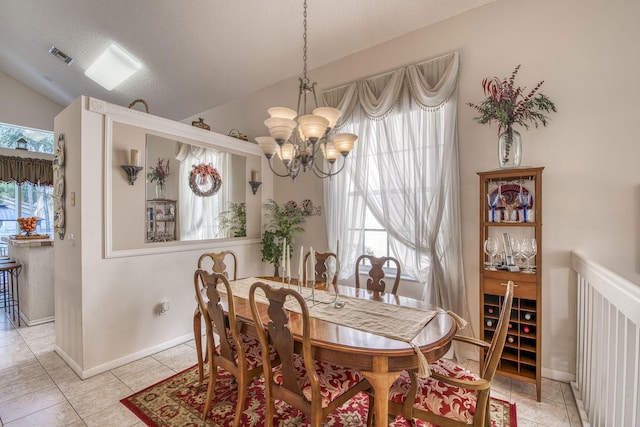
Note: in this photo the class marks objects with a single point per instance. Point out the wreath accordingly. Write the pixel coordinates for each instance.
(204, 180)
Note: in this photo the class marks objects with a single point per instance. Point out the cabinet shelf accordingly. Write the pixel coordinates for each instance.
(162, 215)
(521, 358)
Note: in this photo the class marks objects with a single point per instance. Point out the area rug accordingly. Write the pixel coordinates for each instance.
(179, 401)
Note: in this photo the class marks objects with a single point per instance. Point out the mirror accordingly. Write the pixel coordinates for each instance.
(193, 192)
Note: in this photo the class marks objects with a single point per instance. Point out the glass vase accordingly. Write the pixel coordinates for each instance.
(509, 149)
(161, 189)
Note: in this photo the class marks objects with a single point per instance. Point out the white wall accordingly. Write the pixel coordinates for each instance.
(25, 107)
(586, 51)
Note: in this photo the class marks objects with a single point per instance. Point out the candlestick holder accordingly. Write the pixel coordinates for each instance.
(254, 186)
(132, 172)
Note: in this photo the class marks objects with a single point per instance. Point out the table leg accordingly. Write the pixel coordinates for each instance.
(381, 380)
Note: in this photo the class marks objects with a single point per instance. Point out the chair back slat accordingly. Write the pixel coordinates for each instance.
(215, 316)
(217, 261)
(278, 333)
(376, 274)
(321, 269)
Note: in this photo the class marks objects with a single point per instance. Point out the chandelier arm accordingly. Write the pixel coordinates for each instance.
(276, 173)
(320, 173)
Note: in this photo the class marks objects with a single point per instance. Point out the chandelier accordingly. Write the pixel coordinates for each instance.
(300, 144)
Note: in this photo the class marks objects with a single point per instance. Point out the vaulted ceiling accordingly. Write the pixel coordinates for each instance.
(196, 54)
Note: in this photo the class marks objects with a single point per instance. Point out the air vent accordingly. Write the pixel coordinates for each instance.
(61, 55)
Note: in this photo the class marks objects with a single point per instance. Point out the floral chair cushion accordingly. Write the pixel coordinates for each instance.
(334, 380)
(252, 350)
(437, 397)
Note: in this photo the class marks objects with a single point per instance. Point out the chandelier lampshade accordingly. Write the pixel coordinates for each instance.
(300, 140)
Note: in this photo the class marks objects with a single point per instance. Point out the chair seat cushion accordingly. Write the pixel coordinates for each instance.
(436, 396)
(334, 380)
(252, 350)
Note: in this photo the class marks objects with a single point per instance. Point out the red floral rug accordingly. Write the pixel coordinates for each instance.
(179, 401)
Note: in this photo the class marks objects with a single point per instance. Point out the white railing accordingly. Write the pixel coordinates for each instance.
(607, 387)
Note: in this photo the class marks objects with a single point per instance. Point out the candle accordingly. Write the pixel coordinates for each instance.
(255, 176)
(288, 261)
(313, 266)
(337, 257)
(300, 264)
(283, 264)
(135, 157)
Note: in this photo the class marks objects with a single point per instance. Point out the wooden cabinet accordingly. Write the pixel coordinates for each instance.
(162, 215)
(522, 355)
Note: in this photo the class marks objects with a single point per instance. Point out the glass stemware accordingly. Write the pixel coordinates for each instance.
(494, 201)
(524, 200)
(491, 249)
(529, 250)
(516, 251)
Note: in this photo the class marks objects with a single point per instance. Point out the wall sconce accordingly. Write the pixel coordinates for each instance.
(133, 167)
(255, 181)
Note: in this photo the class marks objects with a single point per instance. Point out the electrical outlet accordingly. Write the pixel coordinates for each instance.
(71, 240)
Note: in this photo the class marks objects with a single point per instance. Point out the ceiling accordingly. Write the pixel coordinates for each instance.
(196, 54)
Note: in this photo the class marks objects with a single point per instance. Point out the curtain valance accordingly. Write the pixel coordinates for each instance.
(429, 83)
(21, 169)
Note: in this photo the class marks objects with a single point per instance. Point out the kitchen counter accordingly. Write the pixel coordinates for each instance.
(36, 278)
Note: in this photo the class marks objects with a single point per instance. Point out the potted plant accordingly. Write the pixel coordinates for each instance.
(235, 219)
(509, 105)
(283, 222)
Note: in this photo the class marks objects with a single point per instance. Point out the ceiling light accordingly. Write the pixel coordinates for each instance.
(299, 149)
(112, 67)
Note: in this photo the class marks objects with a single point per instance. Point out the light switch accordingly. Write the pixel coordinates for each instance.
(73, 198)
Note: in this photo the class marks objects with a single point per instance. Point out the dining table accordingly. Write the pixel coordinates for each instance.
(379, 357)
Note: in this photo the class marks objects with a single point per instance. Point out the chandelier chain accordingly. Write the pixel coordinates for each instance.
(304, 49)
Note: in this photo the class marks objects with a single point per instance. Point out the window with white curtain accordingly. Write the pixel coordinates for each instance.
(403, 172)
(199, 216)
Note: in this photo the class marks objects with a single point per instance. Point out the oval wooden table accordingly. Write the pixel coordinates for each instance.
(380, 359)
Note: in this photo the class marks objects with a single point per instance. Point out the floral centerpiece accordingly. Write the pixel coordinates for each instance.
(159, 174)
(509, 105)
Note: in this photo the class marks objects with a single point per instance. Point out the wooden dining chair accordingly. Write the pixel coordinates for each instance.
(237, 353)
(314, 387)
(215, 261)
(321, 269)
(452, 396)
(375, 280)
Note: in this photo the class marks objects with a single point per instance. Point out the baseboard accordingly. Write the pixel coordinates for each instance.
(116, 363)
(584, 419)
(552, 374)
(35, 322)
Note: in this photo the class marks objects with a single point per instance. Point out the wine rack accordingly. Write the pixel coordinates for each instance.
(522, 354)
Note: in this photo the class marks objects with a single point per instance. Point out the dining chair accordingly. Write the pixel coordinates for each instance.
(321, 269)
(237, 353)
(314, 387)
(216, 263)
(375, 281)
(452, 396)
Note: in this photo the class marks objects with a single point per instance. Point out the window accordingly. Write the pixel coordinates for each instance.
(26, 199)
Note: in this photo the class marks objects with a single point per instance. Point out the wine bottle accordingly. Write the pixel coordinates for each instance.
(526, 329)
(510, 325)
(528, 316)
(490, 310)
(489, 323)
(510, 339)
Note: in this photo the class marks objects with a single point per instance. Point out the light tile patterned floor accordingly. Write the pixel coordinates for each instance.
(37, 388)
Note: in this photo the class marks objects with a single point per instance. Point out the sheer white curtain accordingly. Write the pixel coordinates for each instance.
(198, 216)
(404, 169)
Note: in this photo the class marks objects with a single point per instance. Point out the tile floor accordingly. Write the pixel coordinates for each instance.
(37, 388)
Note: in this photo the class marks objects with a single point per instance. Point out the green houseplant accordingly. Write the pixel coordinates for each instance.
(283, 222)
(235, 219)
(509, 105)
